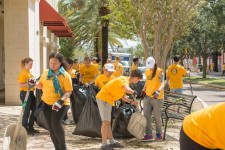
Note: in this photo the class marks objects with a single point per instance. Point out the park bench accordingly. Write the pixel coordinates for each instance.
(176, 106)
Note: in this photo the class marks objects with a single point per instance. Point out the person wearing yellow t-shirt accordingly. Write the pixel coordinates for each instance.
(118, 67)
(223, 69)
(135, 64)
(114, 90)
(96, 61)
(102, 79)
(204, 129)
(175, 75)
(153, 101)
(76, 64)
(28, 115)
(56, 86)
(88, 72)
(70, 69)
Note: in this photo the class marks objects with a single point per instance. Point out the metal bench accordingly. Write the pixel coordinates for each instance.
(176, 106)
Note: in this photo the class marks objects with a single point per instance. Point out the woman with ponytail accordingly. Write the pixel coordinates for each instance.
(153, 101)
(28, 115)
(56, 86)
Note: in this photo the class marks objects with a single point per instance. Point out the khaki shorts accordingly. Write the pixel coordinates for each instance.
(105, 110)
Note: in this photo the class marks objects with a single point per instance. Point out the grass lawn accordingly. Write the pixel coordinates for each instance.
(215, 81)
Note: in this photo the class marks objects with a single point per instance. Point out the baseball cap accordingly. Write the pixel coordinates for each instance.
(150, 62)
(109, 67)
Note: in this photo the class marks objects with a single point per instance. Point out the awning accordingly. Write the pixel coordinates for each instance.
(55, 22)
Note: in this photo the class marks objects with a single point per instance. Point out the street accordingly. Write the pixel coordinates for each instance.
(210, 95)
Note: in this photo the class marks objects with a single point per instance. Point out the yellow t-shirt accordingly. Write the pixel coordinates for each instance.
(102, 79)
(176, 73)
(23, 78)
(134, 67)
(118, 69)
(113, 90)
(72, 73)
(206, 127)
(223, 67)
(88, 73)
(153, 85)
(76, 66)
(49, 96)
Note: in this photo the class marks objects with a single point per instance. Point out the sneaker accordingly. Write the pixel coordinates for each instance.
(106, 147)
(116, 145)
(147, 138)
(159, 137)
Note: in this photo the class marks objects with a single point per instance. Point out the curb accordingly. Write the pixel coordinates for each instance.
(209, 85)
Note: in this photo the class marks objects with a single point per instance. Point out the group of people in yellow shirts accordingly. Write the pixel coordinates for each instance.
(56, 85)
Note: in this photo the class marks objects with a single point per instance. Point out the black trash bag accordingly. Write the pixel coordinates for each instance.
(40, 119)
(138, 87)
(121, 121)
(89, 123)
(80, 94)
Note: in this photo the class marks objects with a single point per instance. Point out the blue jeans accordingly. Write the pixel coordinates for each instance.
(28, 115)
(178, 90)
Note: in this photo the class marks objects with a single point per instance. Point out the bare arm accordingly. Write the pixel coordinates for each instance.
(161, 82)
(22, 85)
(38, 85)
(128, 90)
(80, 78)
(66, 95)
(167, 79)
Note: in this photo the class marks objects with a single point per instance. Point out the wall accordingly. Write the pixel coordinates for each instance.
(21, 41)
(1, 53)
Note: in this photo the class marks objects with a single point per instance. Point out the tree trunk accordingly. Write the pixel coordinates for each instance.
(105, 42)
(204, 56)
(96, 48)
(215, 62)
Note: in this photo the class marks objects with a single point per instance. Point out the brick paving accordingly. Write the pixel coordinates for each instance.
(42, 141)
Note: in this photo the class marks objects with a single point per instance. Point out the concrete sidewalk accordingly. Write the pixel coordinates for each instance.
(42, 141)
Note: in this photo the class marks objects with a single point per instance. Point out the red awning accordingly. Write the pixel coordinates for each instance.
(55, 22)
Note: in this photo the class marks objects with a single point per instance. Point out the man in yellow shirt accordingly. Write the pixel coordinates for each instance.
(175, 75)
(102, 79)
(223, 68)
(135, 64)
(75, 64)
(88, 72)
(70, 69)
(118, 67)
(204, 129)
(114, 90)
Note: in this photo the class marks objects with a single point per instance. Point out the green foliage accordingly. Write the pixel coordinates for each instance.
(66, 47)
(137, 51)
(214, 81)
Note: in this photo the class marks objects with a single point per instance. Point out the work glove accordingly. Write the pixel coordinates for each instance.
(156, 94)
(57, 105)
(31, 82)
(143, 94)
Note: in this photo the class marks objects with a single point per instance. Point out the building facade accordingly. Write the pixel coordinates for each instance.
(24, 33)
